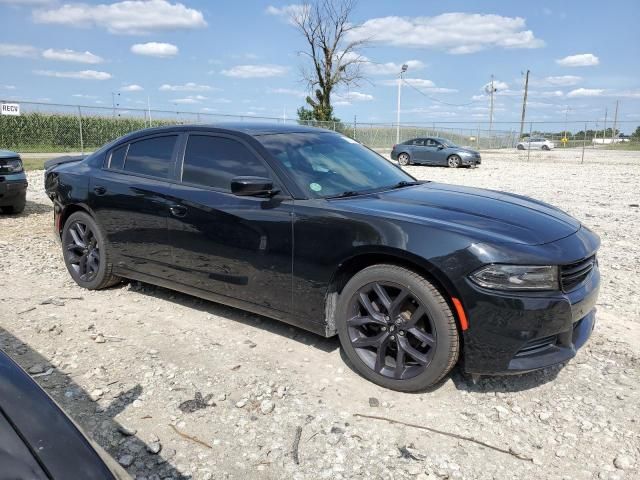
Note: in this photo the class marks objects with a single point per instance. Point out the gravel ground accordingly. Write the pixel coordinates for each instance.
(176, 387)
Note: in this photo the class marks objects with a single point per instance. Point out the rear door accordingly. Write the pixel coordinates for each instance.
(431, 151)
(239, 247)
(417, 149)
(130, 198)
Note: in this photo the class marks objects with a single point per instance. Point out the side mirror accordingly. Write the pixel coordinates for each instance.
(248, 186)
(440, 147)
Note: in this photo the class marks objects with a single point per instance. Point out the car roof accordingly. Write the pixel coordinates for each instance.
(8, 154)
(248, 128)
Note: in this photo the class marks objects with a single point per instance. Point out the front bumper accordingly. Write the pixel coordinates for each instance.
(516, 333)
(13, 187)
(469, 161)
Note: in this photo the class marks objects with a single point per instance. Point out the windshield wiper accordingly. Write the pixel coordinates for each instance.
(405, 183)
(349, 193)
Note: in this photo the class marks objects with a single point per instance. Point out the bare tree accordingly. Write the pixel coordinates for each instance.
(335, 61)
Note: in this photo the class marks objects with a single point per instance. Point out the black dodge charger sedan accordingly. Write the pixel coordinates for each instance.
(309, 227)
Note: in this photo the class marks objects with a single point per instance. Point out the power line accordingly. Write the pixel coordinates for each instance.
(435, 99)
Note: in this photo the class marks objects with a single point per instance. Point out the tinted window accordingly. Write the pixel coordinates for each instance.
(117, 158)
(418, 141)
(214, 161)
(431, 142)
(151, 156)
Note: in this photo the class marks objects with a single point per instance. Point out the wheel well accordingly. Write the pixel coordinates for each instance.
(67, 212)
(352, 266)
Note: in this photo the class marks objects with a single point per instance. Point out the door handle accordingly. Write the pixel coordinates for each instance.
(178, 210)
(99, 190)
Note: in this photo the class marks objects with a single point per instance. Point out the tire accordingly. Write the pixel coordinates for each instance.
(454, 161)
(86, 255)
(520, 146)
(404, 159)
(544, 147)
(416, 320)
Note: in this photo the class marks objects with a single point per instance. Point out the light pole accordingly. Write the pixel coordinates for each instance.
(400, 79)
(113, 101)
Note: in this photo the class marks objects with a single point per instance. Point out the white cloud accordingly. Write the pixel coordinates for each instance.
(390, 68)
(83, 95)
(586, 92)
(190, 100)
(133, 87)
(8, 87)
(155, 49)
(349, 97)
(288, 91)
(255, 71)
(26, 3)
(558, 81)
(187, 87)
(130, 17)
(67, 55)
(497, 84)
(549, 93)
(82, 75)
(287, 12)
(580, 60)
(457, 33)
(421, 84)
(18, 51)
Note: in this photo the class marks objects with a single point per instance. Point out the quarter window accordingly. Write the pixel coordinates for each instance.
(116, 160)
(151, 156)
(213, 161)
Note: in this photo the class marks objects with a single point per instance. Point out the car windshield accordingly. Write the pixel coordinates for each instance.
(327, 164)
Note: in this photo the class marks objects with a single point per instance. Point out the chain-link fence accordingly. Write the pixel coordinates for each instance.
(55, 128)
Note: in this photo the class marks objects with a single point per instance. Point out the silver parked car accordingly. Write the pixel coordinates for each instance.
(434, 151)
(535, 143)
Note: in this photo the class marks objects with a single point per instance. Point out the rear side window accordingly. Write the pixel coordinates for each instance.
(116, 160)
(214, 161)
(151, 156)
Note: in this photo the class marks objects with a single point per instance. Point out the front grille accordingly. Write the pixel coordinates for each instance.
(538, 345)
(574, 274)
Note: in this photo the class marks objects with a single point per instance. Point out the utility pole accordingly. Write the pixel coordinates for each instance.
(604, 131)
(524, 103)
(615, 121)
(400, 79)
(492, 90)
(113, 101)
(566, 114)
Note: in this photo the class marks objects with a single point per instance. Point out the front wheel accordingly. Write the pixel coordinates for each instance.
(85, 252)
(520, 147)
(454, 161)
(396, 328)
(404, 159)
(545, 147)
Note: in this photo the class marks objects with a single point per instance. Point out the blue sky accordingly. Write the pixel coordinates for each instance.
(241, 57)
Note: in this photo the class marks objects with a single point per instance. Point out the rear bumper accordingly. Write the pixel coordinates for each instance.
(13, 188)
(520, 333)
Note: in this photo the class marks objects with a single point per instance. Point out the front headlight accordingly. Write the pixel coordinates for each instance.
(517, 277)
(12, 166)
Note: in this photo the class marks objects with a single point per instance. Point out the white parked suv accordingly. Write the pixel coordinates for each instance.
(535, 143)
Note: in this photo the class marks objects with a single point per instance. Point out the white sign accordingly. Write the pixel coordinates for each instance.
(11, 109)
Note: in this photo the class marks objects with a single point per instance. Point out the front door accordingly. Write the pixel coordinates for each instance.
(239, 247)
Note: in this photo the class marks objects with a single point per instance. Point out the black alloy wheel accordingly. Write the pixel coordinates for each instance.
(85, 252)
(396, 328)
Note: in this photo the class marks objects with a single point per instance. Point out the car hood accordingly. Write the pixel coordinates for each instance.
(464, 149)
(481, 214)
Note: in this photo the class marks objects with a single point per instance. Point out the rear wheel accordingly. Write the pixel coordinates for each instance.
(85, 253)
(520, 146)
(454, 161)
(396, 328)
(545, 147)
(404, 159)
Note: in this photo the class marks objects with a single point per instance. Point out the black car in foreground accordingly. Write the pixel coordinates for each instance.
(38, 441)
(309, 227)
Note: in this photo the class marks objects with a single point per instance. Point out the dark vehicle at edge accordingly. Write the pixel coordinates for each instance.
(38, 441)
(311, 228)
(434, 151)
(13, 183)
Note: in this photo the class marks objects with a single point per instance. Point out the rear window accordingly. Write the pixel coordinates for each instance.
(151, 156)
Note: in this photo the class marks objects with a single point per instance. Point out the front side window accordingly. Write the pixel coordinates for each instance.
(151, 156)
(327, 164)
(213, 161)
(431, 142)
